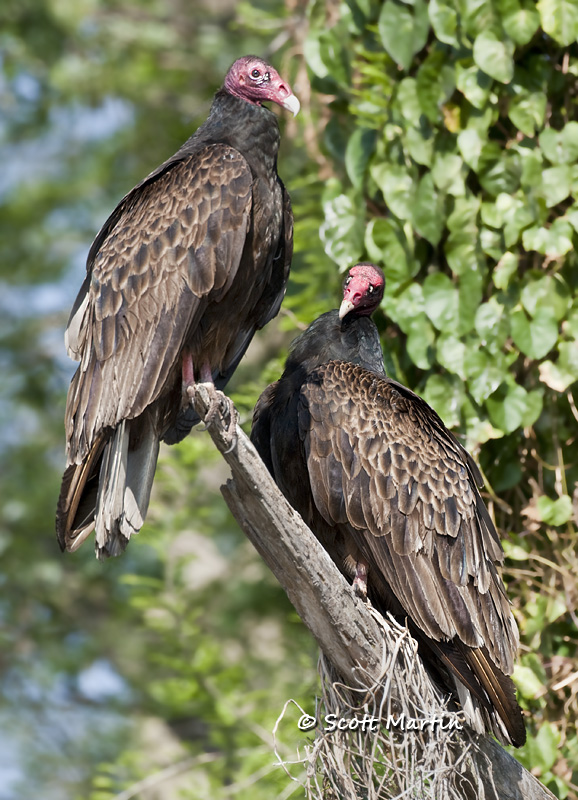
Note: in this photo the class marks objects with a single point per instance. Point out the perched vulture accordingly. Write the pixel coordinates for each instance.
(392, 495)
(184, 271)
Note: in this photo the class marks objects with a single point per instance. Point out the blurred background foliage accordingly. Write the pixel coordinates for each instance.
(438, 139)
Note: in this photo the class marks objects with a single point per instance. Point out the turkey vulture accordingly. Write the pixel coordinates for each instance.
(392, 495)
(187, 267)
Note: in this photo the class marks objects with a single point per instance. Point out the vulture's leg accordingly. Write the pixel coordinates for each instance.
(220, 403)
(360, 580)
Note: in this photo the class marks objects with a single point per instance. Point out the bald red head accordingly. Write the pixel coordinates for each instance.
(363, 290)
(255, 81)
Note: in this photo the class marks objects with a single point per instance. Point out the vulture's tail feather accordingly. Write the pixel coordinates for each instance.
(77, 501)
(486, 694)
(125, 483)
(110, 491)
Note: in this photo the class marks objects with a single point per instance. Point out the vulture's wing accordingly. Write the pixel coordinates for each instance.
(383, 466)
(174, 242)
(269, 305)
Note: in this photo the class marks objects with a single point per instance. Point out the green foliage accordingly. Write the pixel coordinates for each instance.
(439, 139)
(454, 155)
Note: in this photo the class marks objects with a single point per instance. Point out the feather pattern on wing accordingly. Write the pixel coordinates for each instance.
(427, 540)
(177, 245)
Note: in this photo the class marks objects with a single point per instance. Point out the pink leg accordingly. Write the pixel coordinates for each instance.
(188, 370)
(206, 373)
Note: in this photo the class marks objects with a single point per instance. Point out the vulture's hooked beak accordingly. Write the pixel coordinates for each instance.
(345, 307)
(292, 104)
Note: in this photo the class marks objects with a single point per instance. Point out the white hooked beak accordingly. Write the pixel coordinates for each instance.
(292, 104)
(345, 307)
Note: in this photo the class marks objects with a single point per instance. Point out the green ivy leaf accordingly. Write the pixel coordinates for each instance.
(499, 170)
(496, 213)
(441, 301)
(553, 241)
(420, 341)
(545, 291)
(527, 111)
(560, 147)
(428, 210)
(484, 374)
(506, 268)
(397, 186)
(560, 375)
(536, 337)
(517, 553)
(462, 251)
(470, 297)
(520, 218)
(335, 56)
(404, 307)
(445, 394)
(520, 23)
(491, 243)
(513, 407)
(474, 84)
(403, 29)
(386, 243)
(420, 146)
(556, 184)
(448, 174)
(407, 101)
(360, 148)
(478, 15)
(342, 230)
(435, 83)
(559, 20)
(532, 168)
(444, 20)
(555, 512)
(494, 56)
(451, 353)
(470, 144)
(528, 683)
(491, 323)
(568, 359)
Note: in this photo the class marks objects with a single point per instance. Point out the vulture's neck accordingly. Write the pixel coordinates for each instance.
(251, 129)
(354, 339)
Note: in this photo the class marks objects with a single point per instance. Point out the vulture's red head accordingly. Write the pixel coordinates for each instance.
(255, 81)
(362, 290)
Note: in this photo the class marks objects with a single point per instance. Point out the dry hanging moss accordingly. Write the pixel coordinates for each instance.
(398, 738)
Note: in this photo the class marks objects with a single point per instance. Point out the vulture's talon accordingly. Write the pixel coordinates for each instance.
(221, 412)
(230, 412)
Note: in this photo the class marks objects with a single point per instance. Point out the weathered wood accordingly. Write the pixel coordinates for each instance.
(340, 622)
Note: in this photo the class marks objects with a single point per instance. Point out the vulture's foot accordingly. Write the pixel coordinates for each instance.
(360, 580)
(219, 406)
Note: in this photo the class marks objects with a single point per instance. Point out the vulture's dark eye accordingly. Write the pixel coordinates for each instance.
(347, 282)
(370, 289)
(255, 73)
